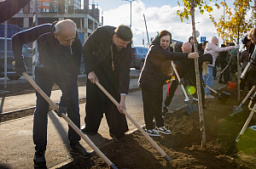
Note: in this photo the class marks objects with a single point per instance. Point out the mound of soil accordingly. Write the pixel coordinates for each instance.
(183, 146)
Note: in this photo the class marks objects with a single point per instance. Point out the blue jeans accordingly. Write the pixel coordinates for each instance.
(208, 79)
(45, 81)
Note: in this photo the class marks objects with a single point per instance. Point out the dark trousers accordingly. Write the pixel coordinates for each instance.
(97, 103)
(172, 89)
(45, 81)
(152, 105)
(190, 80)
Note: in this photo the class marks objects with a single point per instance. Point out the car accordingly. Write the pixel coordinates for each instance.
(138, 57)
(27, 53)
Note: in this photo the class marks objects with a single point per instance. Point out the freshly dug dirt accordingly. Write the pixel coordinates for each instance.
(183, 146)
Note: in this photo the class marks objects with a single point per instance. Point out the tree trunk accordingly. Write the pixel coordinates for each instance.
(198, 84)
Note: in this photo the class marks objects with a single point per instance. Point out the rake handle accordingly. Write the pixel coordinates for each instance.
(133, 121)
(77, 130)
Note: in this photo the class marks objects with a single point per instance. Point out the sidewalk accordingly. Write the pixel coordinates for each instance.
(16, 144)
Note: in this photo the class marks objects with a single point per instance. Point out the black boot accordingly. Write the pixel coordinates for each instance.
(39, 159)
(165, 110)
(80, 150)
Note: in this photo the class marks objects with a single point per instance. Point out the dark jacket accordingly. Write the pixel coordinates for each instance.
(61, 62)
(154, 74)
(184, 66)
(97, 49)
(52, 55)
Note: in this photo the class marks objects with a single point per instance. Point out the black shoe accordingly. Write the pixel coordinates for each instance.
(80, 150)
(165, 110)
(117, 139)
(83, 129)
(39, 159)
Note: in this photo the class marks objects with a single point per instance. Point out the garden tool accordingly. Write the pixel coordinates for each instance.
(77, 130)
(222, 96)
(253, 109)
(134, 122)
(190, 108)
(238, 109)
(222, 71)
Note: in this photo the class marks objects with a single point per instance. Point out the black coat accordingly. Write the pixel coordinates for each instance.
(157, 63)
(52, 54)
(61, 62)
(97, 58)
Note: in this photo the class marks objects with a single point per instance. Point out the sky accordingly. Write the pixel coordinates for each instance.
(159, 15)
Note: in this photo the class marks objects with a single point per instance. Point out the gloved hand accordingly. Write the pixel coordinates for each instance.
(236, 47)
(19, 67)
(62, 109)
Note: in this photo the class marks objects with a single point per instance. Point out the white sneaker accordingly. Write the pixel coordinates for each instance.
(163, 130)
(186, 99)
(195, 99)
(209, 97)
(153, 132)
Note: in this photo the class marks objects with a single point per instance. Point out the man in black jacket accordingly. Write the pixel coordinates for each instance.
(60, 53)
(107, 55)
(186, 70)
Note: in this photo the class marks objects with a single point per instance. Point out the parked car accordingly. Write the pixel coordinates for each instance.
(27, 53)
(138, 57)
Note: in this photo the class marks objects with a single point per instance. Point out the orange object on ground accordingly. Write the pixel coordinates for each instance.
(232, 85)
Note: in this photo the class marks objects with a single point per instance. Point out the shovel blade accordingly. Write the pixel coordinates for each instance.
(191, 108)
(236, 109)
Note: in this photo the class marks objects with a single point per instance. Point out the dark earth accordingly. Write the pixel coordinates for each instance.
(183, 146)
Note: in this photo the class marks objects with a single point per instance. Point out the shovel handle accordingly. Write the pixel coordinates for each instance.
(246, 123)
(223, 71)
(134, 122)
(178, 77)
(77, 130)
(248, 95)
(211, 89)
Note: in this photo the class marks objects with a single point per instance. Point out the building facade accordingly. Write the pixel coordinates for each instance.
(48, 11)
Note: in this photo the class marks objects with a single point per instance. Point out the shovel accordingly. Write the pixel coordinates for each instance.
(134, 122)
(238, 109)
(248, 120)
(222, 71)
(77, 130)
(190, 108)
(223, 96)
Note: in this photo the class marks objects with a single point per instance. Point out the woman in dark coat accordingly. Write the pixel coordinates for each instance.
(153, 75)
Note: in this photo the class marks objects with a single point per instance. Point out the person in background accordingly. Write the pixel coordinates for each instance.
(191, 41)
(223, 61)
(186, 70)
(60, 52)
(107, 56)
(232, 62)
(152, 78)
(213, 49)
(244, 59)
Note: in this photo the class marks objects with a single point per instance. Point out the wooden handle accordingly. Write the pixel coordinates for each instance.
(134, 122)
(247, 122)
(178, 77)
(77, 130)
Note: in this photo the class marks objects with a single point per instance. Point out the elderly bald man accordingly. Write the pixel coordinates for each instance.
(186, 71)
(60, 52)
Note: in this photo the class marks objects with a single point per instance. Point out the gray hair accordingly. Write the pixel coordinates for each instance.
(58, 26)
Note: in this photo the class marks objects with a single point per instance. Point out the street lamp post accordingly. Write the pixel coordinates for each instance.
(130, 11)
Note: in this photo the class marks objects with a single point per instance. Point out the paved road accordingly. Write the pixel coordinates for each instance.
(16, 144)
